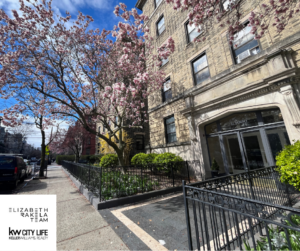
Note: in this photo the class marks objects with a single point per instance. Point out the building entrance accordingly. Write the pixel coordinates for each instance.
(246, 140)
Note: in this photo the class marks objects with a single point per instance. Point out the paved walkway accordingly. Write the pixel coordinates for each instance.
(79, 225)
(157, 224)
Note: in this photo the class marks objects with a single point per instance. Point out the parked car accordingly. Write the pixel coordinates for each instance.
(33, 159)
(29, 167)
(38, 162)
(13, 170)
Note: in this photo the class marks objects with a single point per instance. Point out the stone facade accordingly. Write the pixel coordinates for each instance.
(270, 79)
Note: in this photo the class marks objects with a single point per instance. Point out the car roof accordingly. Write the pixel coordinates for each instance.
(8, 156)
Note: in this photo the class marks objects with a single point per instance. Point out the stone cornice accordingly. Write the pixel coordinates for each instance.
(242, 96)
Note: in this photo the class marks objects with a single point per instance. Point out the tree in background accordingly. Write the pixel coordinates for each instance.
(83, 73)
(16, 136)
(228, 13)
(32, 104)
(71, 140)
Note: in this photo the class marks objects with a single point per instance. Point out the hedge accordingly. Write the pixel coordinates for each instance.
(109, 160)
(90, 158)
(288, 163)
(143, 159)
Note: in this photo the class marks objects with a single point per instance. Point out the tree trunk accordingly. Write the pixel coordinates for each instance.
(43, 146)
(77, 156)
(121, 160)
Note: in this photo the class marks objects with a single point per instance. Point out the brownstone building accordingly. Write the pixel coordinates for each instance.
(238, 105)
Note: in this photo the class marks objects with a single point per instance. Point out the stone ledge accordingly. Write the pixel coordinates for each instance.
(170, 145)
(94, 200)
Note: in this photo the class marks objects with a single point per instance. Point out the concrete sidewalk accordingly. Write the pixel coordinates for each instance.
(79, 225)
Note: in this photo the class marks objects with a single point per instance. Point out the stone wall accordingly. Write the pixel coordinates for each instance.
(221, 66)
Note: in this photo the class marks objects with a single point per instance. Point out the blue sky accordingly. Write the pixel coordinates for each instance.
(100, 10)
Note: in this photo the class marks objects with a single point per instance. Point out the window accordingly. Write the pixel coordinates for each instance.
(160, 25)
(170, 130)
(227, 4)
(99, 128)
(139, 140)
(157, 3)
(167, 90)
(164, 61)
(200, 70)
(244, 45)
(89, 141)
(88, 151)
(192, 32)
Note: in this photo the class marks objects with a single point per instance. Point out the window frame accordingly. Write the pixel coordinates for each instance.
(192, 67)
(187, 32)
(166, 132)
(156, 5)
(156, 24)
(167, 61)
(162, 90)
(245, 23)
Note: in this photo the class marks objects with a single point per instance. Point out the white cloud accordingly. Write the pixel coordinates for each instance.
(61, 6)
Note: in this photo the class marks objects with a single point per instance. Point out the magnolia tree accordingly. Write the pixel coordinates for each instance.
(34, 107)
(87, 75)
(205, 14)
(71, 140)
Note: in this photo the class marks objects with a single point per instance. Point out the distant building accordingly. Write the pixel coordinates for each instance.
(138, 136)
(2, 134)
(89, 143)
(14, 143)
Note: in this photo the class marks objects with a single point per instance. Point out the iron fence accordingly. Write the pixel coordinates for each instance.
(242, 211)
(115, 182)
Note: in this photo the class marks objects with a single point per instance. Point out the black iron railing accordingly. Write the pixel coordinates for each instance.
(242, 211)
(115, 182)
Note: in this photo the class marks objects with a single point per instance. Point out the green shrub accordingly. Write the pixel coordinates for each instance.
(288, 162)
(60, 158)
(109, 160)
(143, 159)
(95, 159)
(279, 238)
(215, 166)
(166, 161)
(167, 158)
